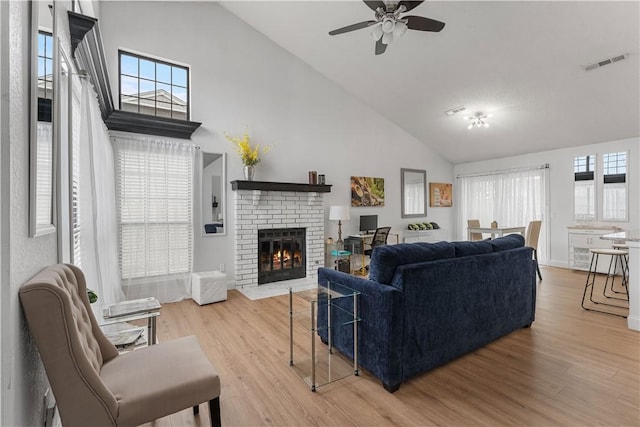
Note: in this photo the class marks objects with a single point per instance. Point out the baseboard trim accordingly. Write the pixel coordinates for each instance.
(633, 322)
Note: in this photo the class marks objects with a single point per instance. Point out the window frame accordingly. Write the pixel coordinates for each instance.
(146, 224)
(155, 60)
(581, 176)
(615, 178)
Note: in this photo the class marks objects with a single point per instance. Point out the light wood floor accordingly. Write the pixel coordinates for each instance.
(571, 368)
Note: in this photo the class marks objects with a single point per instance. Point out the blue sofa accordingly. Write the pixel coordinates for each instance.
(425, 304)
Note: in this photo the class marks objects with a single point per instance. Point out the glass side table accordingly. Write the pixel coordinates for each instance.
(318, 368)
(127, 311)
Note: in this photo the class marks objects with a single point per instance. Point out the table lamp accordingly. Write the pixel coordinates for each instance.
(339, 213)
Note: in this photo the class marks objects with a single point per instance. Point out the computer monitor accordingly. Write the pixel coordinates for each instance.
(368, 223)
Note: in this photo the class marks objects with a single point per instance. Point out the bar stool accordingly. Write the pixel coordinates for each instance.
(617, 256)
(624, 268)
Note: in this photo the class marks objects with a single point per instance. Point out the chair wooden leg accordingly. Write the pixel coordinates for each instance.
(214, 412)
(196, 410)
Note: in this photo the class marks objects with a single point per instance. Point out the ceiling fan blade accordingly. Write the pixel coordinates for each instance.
(353, 27)
(380, 47)
(410, 4)
(373, 5)
(423, 24)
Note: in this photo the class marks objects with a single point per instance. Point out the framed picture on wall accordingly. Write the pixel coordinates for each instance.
(440, 195)
(367, 191)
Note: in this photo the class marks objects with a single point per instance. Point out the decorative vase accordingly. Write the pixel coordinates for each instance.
(249, 171)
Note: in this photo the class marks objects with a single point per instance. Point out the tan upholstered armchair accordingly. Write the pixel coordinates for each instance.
(92, 383)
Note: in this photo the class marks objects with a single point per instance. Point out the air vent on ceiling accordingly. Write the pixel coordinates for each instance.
(605, 62)
(455, 110)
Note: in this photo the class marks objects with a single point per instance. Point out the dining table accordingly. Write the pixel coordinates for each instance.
(495, 231)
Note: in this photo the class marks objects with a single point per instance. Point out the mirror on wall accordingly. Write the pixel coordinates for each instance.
(41, 118)
(213, 193)
(413, 192)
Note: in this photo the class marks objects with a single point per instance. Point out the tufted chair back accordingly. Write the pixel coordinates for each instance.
(71, 344)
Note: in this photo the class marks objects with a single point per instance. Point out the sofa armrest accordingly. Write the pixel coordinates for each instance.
(380, 327)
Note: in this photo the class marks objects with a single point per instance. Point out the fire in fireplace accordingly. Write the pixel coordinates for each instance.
(281, 254)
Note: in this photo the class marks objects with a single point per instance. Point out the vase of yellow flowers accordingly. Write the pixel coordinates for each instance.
(250, 155)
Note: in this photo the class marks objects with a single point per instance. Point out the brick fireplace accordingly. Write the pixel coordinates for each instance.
(261, 207)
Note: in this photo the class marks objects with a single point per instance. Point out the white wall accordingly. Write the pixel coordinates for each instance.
(240, 78)
(561, 187)
(23, 378)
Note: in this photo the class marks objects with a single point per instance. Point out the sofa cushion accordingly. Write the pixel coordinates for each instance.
(472, 248)
(385, 259)
(510, 241)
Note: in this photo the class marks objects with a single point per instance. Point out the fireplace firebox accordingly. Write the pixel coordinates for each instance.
(281, 254)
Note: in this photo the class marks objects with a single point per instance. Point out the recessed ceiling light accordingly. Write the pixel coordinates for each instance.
(455, 110)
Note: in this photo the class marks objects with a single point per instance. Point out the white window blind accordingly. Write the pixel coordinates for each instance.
(614, 190)
(154, 186)
(44, 179)
(584, 188)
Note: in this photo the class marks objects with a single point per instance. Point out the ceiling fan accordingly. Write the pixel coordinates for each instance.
(388, 25)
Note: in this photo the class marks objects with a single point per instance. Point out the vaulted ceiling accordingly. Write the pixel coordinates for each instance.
(521, 61)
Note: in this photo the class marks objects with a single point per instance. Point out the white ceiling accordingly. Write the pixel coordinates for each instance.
(522, 61)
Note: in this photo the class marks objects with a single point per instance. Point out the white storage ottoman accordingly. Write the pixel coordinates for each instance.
(208, 287)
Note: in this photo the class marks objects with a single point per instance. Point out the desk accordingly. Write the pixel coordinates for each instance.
(632, 239)
(498, 231)
(356, 242)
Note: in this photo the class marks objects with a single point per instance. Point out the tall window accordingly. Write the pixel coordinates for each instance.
(45, 75)
(150, 86)
(512, 198)
(154, 191)
(584, 188)
(614, 190)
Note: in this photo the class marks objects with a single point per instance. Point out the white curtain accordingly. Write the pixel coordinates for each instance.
(511, 198)
(98, 243)
(154, 181)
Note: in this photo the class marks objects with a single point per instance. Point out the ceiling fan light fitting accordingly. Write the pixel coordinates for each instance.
(387, 38)
(399, 29)
(388, 24)
(376, 31)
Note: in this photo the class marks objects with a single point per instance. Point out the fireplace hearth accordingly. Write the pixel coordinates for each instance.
(281, 254)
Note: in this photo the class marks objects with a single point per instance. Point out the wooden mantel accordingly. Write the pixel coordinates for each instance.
(280, 186)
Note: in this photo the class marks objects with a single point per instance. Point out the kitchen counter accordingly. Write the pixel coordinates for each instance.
(624, 236)
(632, 239)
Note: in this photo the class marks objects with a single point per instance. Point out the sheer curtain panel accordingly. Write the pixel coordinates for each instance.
(511, 198)
(93, 196)
(154, 179)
